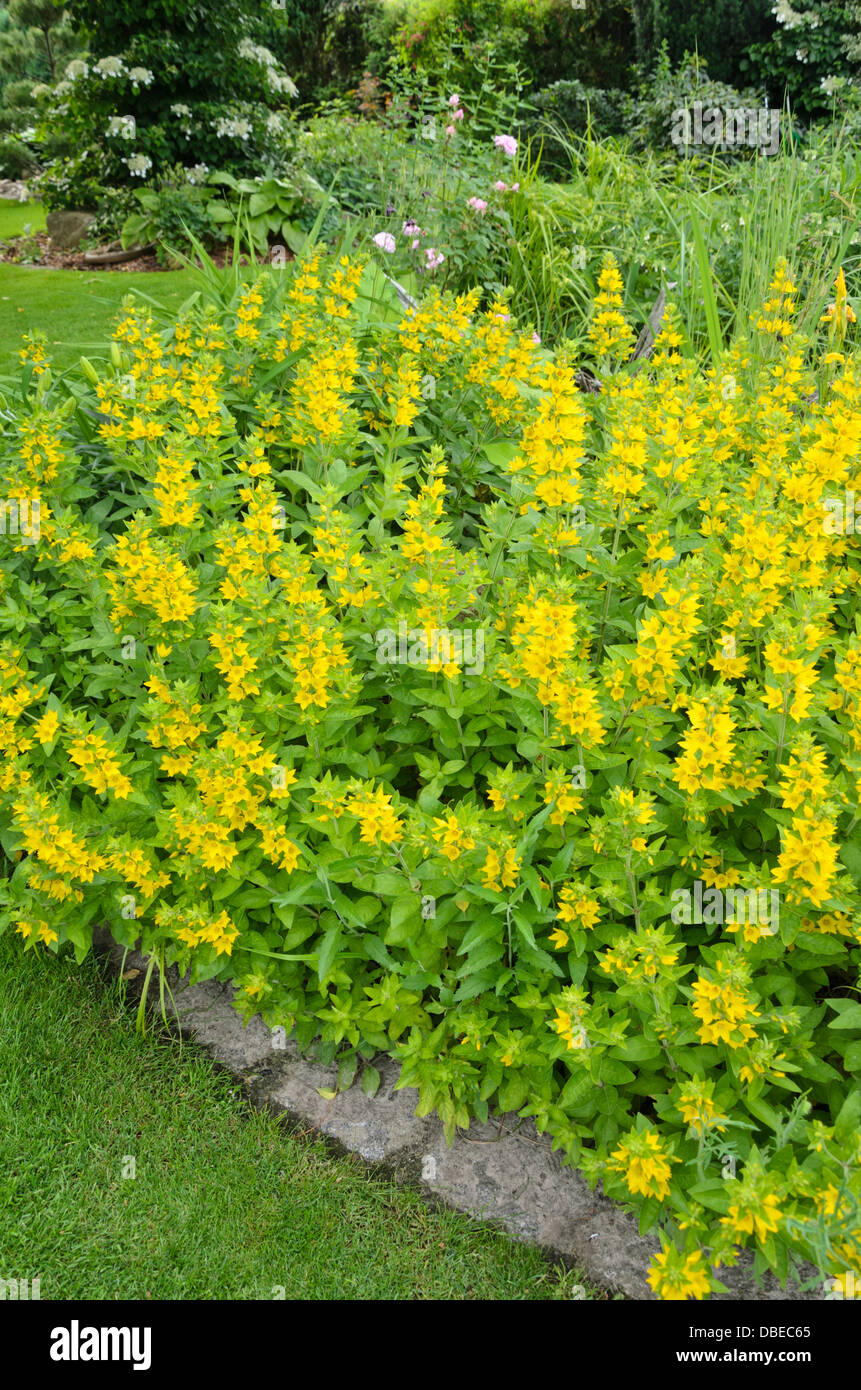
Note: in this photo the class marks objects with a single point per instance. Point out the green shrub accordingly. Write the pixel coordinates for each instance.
(19, 94)
(719, 33)
(326, 45)
(359, 658)
(551, 39)
(573, 108)
(171, 212)
(182, 86)
(669, 91)
(808, 55)
(17, 160)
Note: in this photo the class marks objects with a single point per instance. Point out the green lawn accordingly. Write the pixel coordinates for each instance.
(75, 309)
(16, 218)
(225, 1202)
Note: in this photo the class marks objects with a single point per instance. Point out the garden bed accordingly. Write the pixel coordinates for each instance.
(37, 252)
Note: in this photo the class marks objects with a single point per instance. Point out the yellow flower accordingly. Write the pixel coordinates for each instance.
(455, 840)
(675, 1276)
(754, 1215)
(644, 1164)
(576, 906)
(46, 728)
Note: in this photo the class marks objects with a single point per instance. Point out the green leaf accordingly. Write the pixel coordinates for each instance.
(709, 298)
(226, 887)
(616, 1073)
(294, 236)
(327, 952)
(847, 1120)
(850, 1014)
(258, 203)
(763, 1111)
(377, 951)
(370, 1080)
(404, 920)
(501, 452)
(347, 1071)
(638, 1049)
(487, 954)
(524, 926)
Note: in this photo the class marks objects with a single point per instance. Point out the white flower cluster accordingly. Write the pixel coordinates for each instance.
(138, 165)
(238, 127)
(197, 173)
(793, 19)
(121, 125)
(276, 80)
(280, 82)
(831, 85)
(109, 67)
(256, 51)
(183, 114)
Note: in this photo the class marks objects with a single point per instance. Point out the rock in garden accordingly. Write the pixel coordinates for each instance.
(68, 229)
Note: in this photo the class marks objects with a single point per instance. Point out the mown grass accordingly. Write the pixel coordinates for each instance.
(225, 1202)
(16, 218)
(76, 309)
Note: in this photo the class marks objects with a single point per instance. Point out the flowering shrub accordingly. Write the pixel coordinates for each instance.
(436, 179)
(357, 657)
(180, 86)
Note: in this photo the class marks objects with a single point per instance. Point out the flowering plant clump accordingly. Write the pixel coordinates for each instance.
(354, 655)
(174, 86)
(447, 201)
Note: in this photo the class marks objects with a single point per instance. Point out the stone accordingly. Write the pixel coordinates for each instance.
(68, 229)
(14, 189)
(503, 1171)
